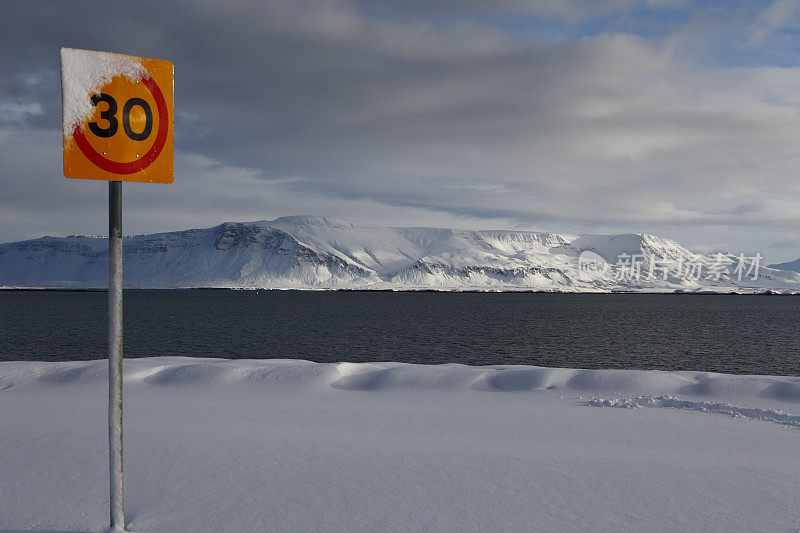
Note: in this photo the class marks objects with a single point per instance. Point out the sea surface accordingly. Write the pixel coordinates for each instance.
(719, 333)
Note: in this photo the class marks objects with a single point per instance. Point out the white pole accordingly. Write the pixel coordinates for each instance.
(115, 352)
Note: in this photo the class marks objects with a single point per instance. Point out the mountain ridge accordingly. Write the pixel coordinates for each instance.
(792, 266)
(313, 252)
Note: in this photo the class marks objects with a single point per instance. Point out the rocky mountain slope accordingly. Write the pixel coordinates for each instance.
(322, 253)
(792, 266)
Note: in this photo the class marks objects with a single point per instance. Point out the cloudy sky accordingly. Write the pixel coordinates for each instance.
(676, 118)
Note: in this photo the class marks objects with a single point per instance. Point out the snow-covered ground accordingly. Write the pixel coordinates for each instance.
(279, 445)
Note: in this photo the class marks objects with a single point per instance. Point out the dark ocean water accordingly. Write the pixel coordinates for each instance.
(726, 333)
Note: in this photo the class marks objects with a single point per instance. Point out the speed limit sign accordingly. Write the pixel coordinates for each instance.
(117, 116)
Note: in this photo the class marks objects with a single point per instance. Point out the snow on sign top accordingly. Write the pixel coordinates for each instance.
(117, 116)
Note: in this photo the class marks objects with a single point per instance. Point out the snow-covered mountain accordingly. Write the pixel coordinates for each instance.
(323, 253)
(792, 266)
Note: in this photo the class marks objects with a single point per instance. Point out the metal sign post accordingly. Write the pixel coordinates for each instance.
(115, 352)
(117, 115)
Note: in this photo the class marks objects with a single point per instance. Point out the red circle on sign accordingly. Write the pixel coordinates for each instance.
(147, 159)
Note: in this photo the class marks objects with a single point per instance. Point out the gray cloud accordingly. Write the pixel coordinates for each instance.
(793, 244)
(401, 117)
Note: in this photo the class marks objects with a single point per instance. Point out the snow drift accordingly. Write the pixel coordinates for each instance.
(289, 445)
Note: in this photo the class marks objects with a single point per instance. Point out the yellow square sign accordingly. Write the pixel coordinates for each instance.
(117, 113)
